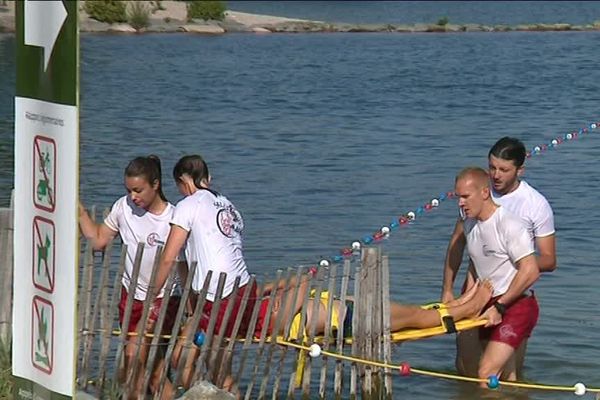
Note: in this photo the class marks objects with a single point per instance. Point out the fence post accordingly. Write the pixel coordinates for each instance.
(6, 270)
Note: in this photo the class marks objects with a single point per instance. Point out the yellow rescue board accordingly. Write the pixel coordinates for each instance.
(414, 334)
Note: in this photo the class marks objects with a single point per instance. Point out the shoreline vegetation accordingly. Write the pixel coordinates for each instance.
(172, 17)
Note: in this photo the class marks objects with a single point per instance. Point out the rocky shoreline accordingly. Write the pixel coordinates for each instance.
(173, 19)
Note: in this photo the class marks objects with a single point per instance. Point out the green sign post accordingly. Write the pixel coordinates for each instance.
(46, 193)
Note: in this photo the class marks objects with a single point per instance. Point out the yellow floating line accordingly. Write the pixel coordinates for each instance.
(440, 374)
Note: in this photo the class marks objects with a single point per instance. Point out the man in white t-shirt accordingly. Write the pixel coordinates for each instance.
(506, 165)
(500, 249)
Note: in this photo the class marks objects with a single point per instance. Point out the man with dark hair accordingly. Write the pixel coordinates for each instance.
(506, 165)
(500, 250)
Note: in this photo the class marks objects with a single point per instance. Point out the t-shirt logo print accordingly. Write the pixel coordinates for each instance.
(153, 239)
(229, 221)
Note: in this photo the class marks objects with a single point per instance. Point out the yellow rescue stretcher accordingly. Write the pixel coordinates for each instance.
(447, 325)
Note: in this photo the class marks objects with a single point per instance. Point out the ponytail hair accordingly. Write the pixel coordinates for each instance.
(194, 166)
(149, 168)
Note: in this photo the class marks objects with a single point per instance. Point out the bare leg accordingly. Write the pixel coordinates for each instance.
(494, 360)
(408, 316)
(131, 348)
(520, 358)
(468, 295)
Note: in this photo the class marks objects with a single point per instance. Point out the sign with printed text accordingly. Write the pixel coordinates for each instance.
(46, 195)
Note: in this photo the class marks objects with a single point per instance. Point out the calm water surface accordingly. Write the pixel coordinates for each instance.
(410, 12)
(322, 139)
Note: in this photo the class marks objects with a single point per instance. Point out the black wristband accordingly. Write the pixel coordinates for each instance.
(500, 307)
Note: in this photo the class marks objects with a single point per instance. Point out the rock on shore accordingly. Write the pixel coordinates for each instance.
(174, 19)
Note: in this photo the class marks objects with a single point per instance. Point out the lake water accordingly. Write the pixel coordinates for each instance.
(320, 139)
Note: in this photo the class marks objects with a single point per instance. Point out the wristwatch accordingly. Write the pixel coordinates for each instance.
(500, 307)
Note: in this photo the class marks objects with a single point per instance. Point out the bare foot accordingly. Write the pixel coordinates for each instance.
(482, 295)
(466, 296)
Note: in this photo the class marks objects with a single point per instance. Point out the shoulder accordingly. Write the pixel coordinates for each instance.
(532, 192)
(119, 206)
(509, 221)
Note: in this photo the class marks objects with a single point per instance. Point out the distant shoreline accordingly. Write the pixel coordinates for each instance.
(173, 19)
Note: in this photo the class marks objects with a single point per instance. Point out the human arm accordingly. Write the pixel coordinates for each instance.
(175, 241)
(98, 234)
(454, 255)
(546, 248)
(528, 273)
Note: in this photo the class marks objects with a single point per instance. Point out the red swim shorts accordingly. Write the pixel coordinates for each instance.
(137, 309)
(262, 317)
(247, 313)
(517, 323)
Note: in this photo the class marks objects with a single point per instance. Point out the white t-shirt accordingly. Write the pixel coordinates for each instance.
(531, 206)
(214, 241)
(496, 245)
(137, 225)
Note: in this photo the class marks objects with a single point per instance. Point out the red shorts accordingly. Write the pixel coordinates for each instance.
(137, 309)
(262, 316)
(247, 313)
(517, 323)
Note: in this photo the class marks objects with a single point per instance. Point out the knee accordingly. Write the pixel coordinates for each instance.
(486, 370)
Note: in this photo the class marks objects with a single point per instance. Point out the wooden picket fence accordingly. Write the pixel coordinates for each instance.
(261, 366)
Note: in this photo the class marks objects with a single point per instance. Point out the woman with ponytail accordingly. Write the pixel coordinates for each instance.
(141, 216)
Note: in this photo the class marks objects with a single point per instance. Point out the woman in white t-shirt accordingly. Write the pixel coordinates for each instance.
(210, 228)
(141, 216)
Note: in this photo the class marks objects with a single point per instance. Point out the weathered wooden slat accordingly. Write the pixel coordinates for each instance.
(158, 326)
(316, 311)
(218, 348)
(293, 383)
(190, 329)
(202, 368)
(250, 334)
(286, 331)
(91, 336)
(228, 354)
(356, 331)
(85, 292)
(6, 270)
(337, 382)
(174, 331)
(262, 339)
(387, 343)
(140, 339)
(127, 314)
(83, 330)
(273, 342)
(327, 335)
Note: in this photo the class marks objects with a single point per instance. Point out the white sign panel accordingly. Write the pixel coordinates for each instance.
(46, 243)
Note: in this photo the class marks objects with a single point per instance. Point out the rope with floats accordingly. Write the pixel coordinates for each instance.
(405, 369)
(410, 216)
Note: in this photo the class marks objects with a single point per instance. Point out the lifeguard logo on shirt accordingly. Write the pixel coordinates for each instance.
(229, 221)
(153, 239)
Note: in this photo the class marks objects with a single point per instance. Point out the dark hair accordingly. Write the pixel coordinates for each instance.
(194, 166)
(148, 168)
(510, 149)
